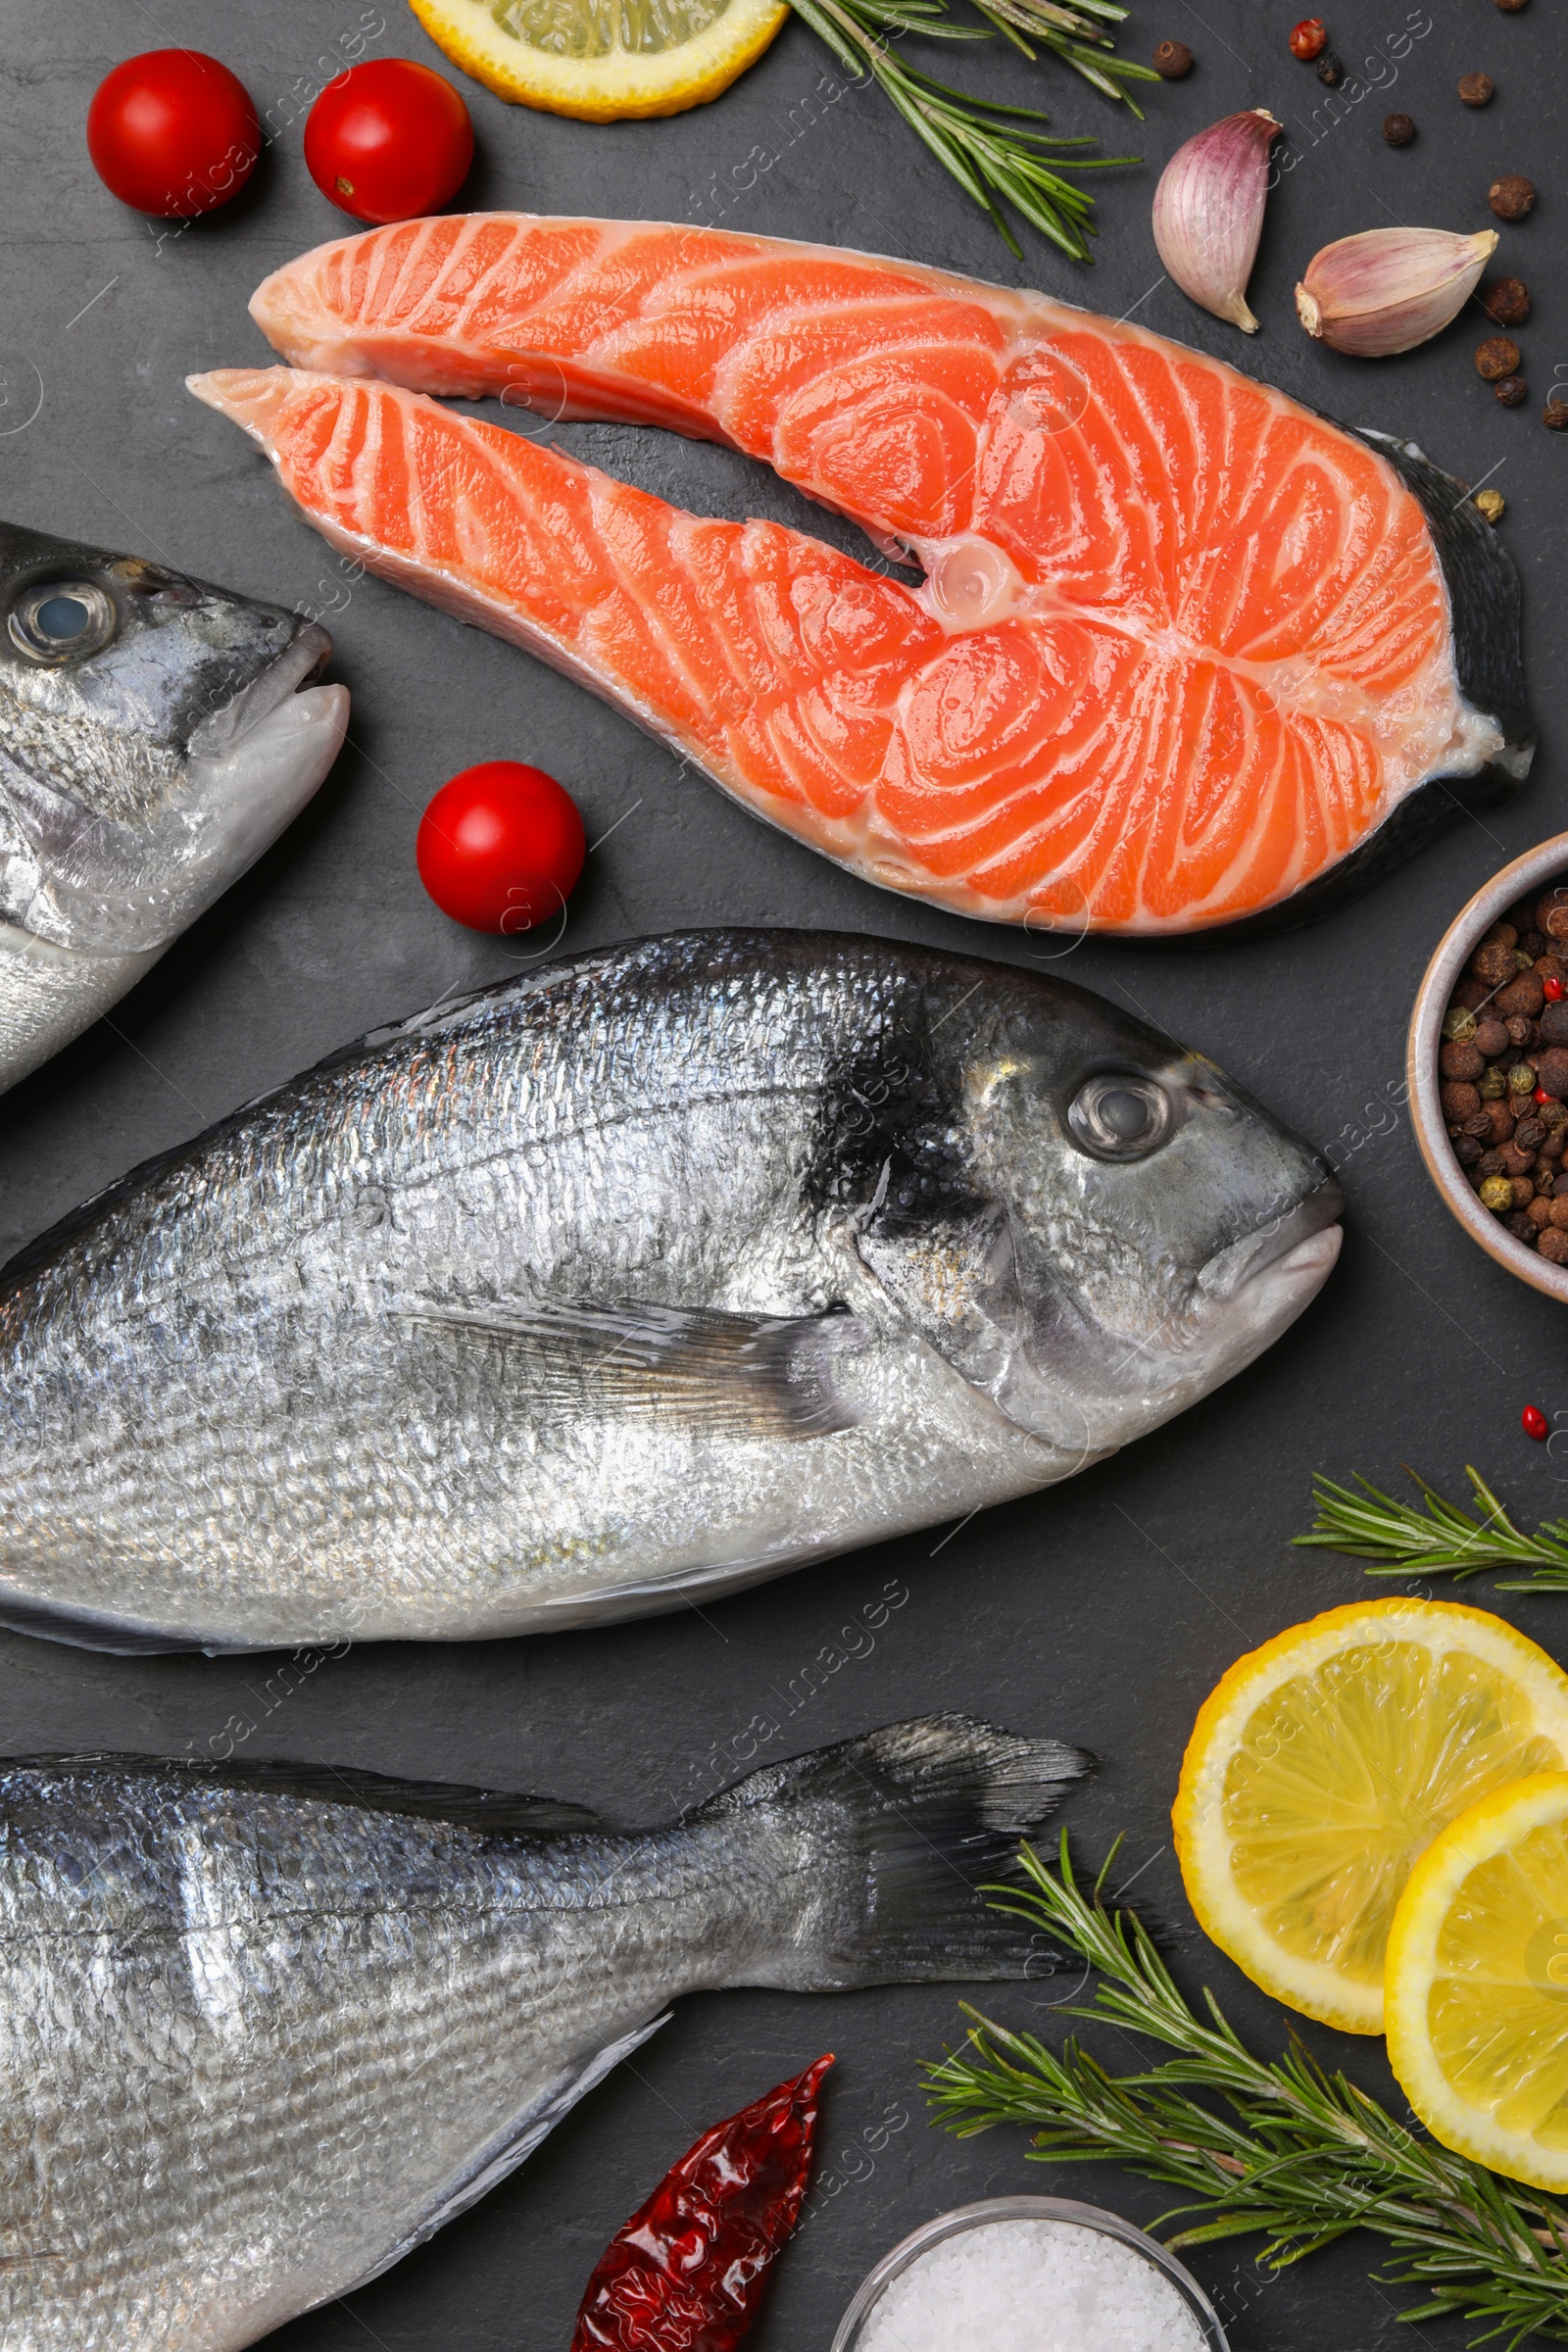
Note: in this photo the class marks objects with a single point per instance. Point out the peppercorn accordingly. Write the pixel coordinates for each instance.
(1553, 983)
(1496, 1194)
(1532, 1421)
(1493, 1087)
(1506, 300)
(1502, 933)
(1466, 1150)
(1494, 962)
(1512, 392)
(1532, 944)
(1459, 1100)
(1555, 413)
(1173, 60)
(1559, 1215)
(1476, 89)
(1528, 1136)
(1522, 1079)
(1471, 992)
(1554, 1022)
(1461, 1061)
(1491, 1036)
(1398, 129)
(1515, 1162)
(1329, 70)
(1551, 1072)
(1553, 1245)
(1521, 999)
(1490, 1164)
(1496, 357)
(1509, 6)
(1539, 1212)
(1555, 1116)
(1458, 1025)
(1511, 196)
(1309, 39)
(1520, 1227)
(1551, 913)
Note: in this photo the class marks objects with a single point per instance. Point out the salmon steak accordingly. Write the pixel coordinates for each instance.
(1180, 654)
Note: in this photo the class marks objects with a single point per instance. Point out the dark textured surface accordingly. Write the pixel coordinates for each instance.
(1102, 1612)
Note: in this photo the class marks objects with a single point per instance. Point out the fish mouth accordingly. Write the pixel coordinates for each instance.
(293, 674)
(1295, 1249)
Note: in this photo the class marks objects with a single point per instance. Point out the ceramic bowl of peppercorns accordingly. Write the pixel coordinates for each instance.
(1488, 1067)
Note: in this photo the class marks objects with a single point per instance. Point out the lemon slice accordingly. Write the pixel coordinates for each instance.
(1327, 1761)
(1478, 1983)
(603, 58)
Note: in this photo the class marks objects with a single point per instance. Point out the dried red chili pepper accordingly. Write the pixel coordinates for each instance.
(687, 2272)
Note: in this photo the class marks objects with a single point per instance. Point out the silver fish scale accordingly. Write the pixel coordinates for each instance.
(252, 2045)
(667, 1268)
(219, 1406)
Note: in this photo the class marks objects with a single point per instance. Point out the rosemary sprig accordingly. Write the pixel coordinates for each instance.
(1438, 1538)
(993, 152)
(1301, 2156)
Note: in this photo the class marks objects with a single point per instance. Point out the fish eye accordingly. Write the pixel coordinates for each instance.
(1117, 1115)
(61, 620)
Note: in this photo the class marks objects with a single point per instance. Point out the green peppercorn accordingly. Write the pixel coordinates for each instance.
(1522, 1078)
(1492, 1087)
(1496, 1194)
(1458, 1025)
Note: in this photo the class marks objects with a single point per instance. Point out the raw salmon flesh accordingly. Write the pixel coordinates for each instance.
(1184, 655)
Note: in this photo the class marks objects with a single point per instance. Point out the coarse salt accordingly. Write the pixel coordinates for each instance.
(1031, 2287)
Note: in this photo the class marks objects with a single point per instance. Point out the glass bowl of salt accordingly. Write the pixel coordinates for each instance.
(1030, 2274)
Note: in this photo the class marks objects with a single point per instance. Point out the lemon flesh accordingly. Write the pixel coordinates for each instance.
(602, 60)
(1324, 1765)
(1478, 1984)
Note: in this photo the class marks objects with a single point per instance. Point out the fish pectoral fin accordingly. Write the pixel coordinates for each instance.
(721, 1374)
(511, 2147)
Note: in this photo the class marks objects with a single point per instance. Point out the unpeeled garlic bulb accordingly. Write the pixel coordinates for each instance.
(1208, 212)
(1389, 289)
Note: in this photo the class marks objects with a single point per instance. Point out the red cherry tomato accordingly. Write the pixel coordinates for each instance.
(1534, 1422)
(173, 132)
(389, 141)
(501, 846)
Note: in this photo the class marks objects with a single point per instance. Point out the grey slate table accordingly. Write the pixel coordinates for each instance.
(1104, 1611)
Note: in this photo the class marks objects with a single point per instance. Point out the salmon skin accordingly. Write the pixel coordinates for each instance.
(1184, 655)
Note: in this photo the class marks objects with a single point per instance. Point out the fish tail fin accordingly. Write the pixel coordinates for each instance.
(870, 1855)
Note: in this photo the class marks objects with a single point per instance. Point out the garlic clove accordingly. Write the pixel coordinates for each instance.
(1208, 212)
(1389, 289)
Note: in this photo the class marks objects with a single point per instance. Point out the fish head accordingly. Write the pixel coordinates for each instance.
(156, 734)
(1092, 1225)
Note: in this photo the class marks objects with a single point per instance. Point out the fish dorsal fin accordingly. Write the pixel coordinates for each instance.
(716, 1372)
(463, 1807)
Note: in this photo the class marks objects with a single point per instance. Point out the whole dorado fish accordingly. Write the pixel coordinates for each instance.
(266, 2032)
(654, 1273)
(154, 741)
(1178, 653)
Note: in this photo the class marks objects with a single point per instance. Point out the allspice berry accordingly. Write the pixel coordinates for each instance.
(1506, 300)
(1511, 390)
(1496, 357)
(1173, 60)
(1511, 196)
(1398, 129)
(1476, 89)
